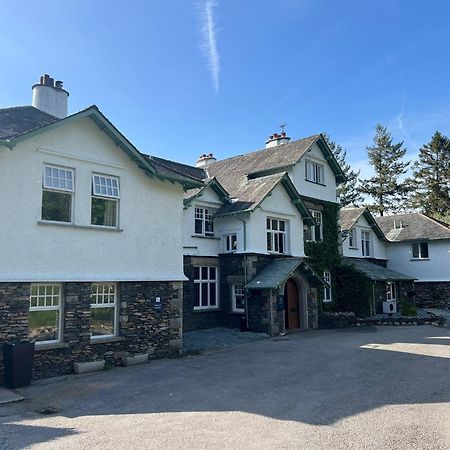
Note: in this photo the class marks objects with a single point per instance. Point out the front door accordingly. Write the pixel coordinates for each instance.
(291, 305)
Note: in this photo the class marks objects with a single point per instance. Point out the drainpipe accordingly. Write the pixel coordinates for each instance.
(372, 306)
(245, 270)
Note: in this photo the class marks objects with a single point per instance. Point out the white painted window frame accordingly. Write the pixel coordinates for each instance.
(353, 238)
(420, 257)
(274, 233)
(312, 228)
(47, 187)
(366, 237)
(204, 214)
(228, 238)
(235, 295)
(111, 197)
(200, 281)
(58, 308)
(327, 296)
(115, 304)
(314, 172)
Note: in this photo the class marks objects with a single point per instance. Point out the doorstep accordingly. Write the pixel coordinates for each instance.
(9, 396)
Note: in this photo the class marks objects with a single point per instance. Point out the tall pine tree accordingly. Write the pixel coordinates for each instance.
(431, 178)
(386, 188)
(347, 190)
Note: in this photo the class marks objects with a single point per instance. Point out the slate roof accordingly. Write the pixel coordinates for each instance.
(416, 226)
(349, 217)
(278, 271)
(376, 272)
(22, 119)
(165, 165)
(232, 172)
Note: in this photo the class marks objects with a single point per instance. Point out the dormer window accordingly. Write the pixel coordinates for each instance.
(203, 222)
(365, 243)
(314, 172)
(352, 238)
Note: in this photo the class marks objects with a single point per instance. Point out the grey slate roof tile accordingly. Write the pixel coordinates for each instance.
(376, 272)
(349, 216)
(416, 226)
(22, 119)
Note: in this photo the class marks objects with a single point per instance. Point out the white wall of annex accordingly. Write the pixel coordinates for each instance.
(309, 189)
(436, 268)
(277, 205)
(378, 246)
(148, 248)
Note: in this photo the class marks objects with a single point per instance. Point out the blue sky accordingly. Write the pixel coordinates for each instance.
(184, 77)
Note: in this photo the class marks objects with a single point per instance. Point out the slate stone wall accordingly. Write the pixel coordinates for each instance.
(142, 328)
(433, 294)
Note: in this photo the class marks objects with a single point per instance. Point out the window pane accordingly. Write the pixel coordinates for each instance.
(282, 225)
(56, 206)
(204, 294)
(198, 226)
(196, 273)
(204, 273)
(212, 273)
(269, 242)
(268, 224)
(43, 325)
(196, 294)
(102, 321)
(424, 249)
(415, 250)
(212, 294)
(104, 212)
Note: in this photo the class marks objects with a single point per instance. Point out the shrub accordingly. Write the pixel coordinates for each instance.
(406, 309)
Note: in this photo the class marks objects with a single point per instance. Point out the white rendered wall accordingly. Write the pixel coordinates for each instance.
(436, 268)
(148, 248)
(314, 190)
(277, 205)
(198, 245)
(50, 100)
(378, 246)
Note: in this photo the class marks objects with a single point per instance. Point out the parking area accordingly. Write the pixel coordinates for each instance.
(385, 387)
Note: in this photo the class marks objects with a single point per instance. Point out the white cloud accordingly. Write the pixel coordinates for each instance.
(209, 41)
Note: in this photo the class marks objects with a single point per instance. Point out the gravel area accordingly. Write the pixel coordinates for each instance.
(196, 341)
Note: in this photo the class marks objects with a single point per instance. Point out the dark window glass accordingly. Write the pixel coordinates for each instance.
(104, 212)
(269, 242)
(196, 273)
(424, 249)
(281, 243)
(198, 226)
(204, 273)
(212, 294)
(197, 294)
(204, 294)
(56, 206)
(212, 273)
(415, 248)
(102, 321)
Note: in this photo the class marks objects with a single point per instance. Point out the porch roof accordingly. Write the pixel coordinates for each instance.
(279, 270)
(376, 272)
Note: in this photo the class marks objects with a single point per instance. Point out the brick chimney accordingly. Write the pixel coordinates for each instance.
(50, 97)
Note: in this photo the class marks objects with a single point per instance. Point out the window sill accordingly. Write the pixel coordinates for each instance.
(206, 310)
(84, 227)
(237, 313)
(205, 237)
(106, 339)
(419, 259)
(50, 346)
(353, 248)
(315, 182)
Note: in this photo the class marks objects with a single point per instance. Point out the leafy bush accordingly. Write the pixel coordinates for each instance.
(406, 309)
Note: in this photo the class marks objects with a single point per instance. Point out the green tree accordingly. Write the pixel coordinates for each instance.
(385, 187)
(347, 190)
(431, 178)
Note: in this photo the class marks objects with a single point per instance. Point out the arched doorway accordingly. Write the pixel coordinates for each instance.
(291, 305)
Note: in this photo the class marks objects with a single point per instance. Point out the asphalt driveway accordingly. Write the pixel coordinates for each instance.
(370, 388)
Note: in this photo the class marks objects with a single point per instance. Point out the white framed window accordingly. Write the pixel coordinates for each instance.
(203, 221)
(314, 172)
(57, 194)
(105, 200)
(206, 287)
(365, 243)
(276, 235)
(327, 290)
(230, 243)
(391, 291)
(420, 250)
(104, 310)
(314, 233)
(352, 238)
(44, 317)
(237, 298)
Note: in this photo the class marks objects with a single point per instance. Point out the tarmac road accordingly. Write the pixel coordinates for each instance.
(361, 388)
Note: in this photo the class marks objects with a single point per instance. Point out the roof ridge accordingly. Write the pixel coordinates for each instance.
(264, 149)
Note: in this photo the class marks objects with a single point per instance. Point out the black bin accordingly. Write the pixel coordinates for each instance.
(18, 361)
